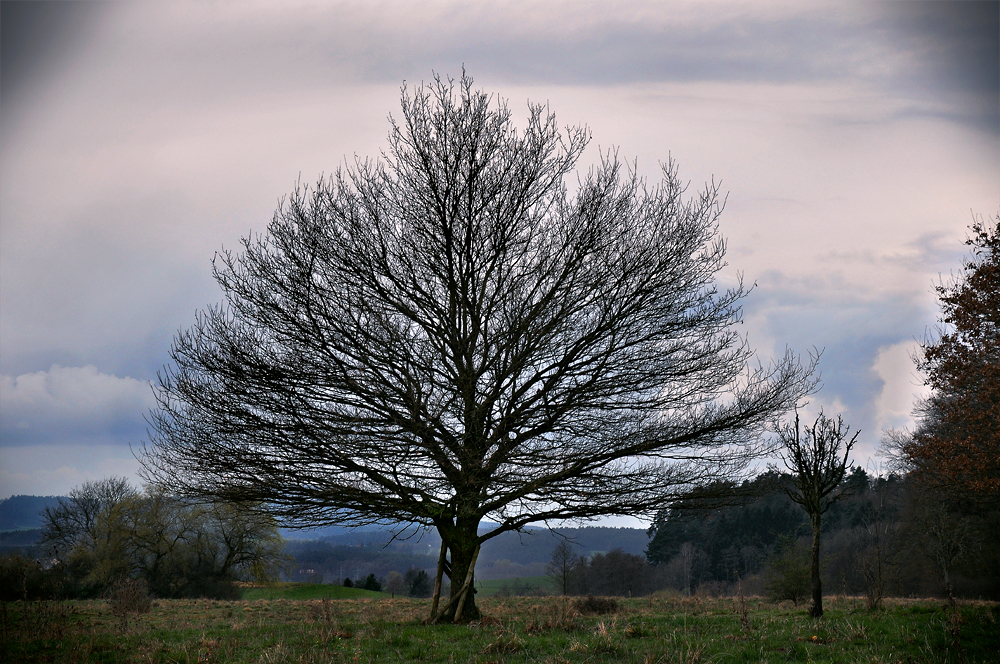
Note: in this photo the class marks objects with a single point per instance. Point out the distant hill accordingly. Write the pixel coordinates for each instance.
(19, 540)
(24, 512)
(335, 552)
(532, 545)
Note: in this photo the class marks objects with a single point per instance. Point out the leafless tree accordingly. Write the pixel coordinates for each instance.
(447, 334)
(877, 541)
(818, 458)
(564, 566)
(949, 535)
(75, 521)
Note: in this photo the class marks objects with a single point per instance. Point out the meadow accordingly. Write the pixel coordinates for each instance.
(647, 630)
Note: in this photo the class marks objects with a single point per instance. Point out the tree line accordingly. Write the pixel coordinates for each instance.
(107, 530)
(886, 535)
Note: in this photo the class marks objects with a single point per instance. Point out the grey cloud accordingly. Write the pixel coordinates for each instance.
(191, 55)
(99, 290)
(955, 52)
(929, 253)
(190, 51)
(72, 405)
(38, 41)
(851, 331)
(164, 131)
(960, 40)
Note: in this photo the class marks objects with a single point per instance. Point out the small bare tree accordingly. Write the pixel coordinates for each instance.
(563, 567)
(817, 456)
(394, 583)
(877, 542)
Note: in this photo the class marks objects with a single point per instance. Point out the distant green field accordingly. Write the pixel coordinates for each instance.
(308, 591)
(519, 586)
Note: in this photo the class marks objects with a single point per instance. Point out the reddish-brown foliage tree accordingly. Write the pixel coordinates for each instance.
(957, 444)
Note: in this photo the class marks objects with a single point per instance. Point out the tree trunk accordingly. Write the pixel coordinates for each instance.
(436, 597)
(816, 611)
(464, 550)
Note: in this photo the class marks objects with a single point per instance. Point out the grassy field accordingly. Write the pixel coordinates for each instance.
(645, 631)
(514, 586)
(308, 591)
(489, 588)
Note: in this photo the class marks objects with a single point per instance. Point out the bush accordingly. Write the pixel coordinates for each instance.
(129, 598)
(596, 605)
(22, 577)
(788, 574)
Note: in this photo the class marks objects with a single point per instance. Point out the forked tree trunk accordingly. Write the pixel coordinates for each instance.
(461, 604)
(816, 611)
(463, 555)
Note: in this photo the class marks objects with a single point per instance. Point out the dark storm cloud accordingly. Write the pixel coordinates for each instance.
(38, 41)
(849, 335)
(72, 405)
(851, 327)
(956, 52)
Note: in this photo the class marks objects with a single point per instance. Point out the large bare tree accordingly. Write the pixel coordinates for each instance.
(453, 334)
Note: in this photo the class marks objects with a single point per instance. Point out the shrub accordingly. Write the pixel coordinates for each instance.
(22, 577)
(788, 574)
(129, 598)
(596, 605)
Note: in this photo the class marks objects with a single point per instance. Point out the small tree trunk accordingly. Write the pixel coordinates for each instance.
(437, 579)
(467, 588)
(816, 611)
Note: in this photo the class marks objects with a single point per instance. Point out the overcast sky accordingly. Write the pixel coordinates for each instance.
(855, 141)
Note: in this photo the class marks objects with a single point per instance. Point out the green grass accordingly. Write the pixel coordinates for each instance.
(647, 630)
(303, 591)
(494, 586)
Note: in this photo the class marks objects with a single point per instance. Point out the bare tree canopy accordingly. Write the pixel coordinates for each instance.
(448, 335)
(818, 458)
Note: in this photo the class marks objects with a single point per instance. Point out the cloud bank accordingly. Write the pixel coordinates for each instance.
(855, 140)
(72, 405)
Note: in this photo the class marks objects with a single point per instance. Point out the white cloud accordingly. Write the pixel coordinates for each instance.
(71, 404)
(901, 388)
